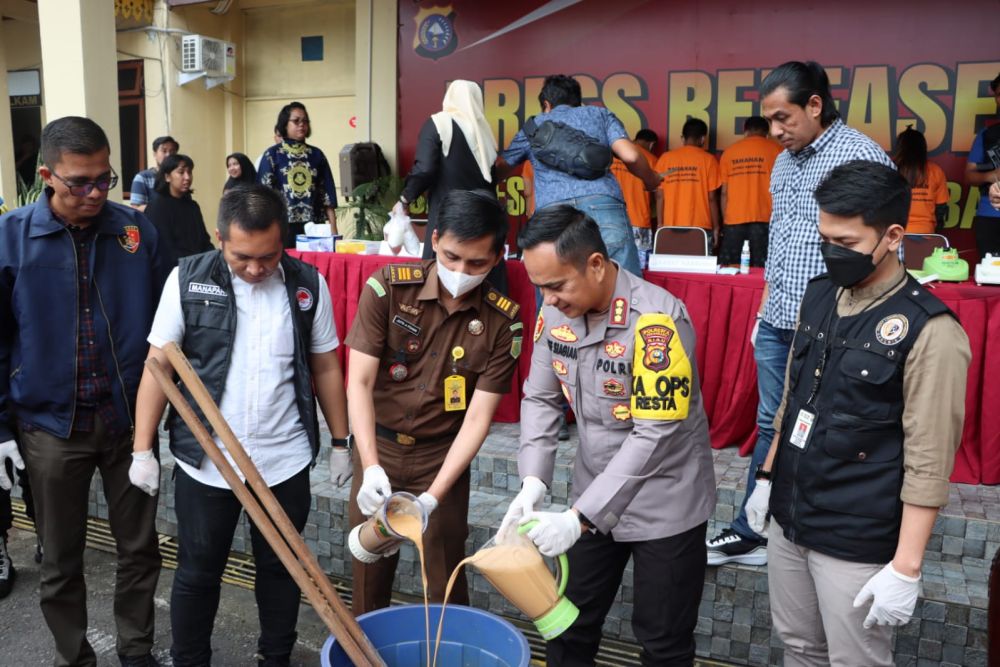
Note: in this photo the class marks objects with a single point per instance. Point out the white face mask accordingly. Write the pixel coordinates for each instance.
(456, 282)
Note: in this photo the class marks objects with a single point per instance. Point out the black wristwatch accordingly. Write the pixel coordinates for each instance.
(760, 473)
(342, 442)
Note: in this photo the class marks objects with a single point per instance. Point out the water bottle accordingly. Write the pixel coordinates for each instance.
(745, 258)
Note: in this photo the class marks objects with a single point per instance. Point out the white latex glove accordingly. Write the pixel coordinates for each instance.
(374, 490)
(8, 450)
(753, 334)
(395, 227)
(555, 533)
(340, 466)
(532, 492)
(144, 473)
(893, 597)
(757, 506)
(429, 502)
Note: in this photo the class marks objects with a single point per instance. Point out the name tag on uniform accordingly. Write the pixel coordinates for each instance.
(803, 428)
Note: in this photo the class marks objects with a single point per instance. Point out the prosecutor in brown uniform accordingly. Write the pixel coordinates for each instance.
(622, 352)
(433, 349)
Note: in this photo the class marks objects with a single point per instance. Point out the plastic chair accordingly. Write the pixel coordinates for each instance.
(918, 247)
(681, 241)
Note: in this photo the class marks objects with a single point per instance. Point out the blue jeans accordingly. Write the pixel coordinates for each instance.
(771, 355)
(609, 214)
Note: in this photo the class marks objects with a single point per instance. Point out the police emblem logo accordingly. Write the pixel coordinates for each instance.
(621, 412)
(614, 349)
(476, 327)
(656, 346)
(435, 36)
(564, 333)
(418, 273)
(619, 312)
(559, 367)
(304, 298)
(129, 240)
(413, 345)
(539, 326)
(614, 387)
(892, 329)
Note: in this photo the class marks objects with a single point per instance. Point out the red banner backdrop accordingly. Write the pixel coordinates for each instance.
(655, 63)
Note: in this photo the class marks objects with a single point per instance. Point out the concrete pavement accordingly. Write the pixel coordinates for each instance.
(26, 641)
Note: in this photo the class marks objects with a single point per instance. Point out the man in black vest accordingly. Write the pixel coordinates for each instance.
(258, 329)
(867, 431)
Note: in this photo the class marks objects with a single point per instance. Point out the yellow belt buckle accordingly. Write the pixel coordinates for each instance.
(404, 439)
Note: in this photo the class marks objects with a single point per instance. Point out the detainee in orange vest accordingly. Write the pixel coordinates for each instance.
(746, 195)
(637, 198)
(929, 187)
(689, 193)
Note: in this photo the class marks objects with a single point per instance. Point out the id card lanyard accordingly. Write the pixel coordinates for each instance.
(806, 419)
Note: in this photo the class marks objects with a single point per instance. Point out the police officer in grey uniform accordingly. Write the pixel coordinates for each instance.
(621, 351)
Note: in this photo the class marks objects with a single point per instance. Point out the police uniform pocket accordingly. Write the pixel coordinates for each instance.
(861, 473)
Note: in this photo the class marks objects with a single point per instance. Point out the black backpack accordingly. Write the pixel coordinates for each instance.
(568, 149)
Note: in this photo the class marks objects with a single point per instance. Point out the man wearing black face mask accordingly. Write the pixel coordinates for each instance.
(867, 430)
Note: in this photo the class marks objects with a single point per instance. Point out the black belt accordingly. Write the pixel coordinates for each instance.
(404, 439)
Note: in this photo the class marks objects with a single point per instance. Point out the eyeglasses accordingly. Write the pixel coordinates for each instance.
(299, 121)
(84, 189)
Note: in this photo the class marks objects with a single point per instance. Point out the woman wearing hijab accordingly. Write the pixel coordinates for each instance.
(241, 171)
(455, 151)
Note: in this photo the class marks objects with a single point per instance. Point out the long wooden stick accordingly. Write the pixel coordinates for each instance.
(327, 603)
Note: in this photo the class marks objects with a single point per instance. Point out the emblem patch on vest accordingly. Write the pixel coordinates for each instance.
(129, 240)
(304, 297)
(892, 329)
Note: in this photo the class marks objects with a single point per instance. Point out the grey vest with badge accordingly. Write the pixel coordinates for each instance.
(839, 468)
(209, 306)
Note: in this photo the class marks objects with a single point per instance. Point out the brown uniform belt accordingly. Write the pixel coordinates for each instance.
(404, 439)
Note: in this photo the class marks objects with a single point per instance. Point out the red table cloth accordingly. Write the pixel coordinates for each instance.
(722, 309)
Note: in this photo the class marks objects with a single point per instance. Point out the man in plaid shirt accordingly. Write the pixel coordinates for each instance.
(796, 101)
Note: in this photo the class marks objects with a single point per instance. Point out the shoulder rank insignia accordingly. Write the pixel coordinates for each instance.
(619, 312)
(406, 274)
(502, 303)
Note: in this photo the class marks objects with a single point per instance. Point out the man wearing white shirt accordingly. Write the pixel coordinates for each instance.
(258, 329)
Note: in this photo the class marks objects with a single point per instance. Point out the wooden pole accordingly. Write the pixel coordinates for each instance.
(279, 534)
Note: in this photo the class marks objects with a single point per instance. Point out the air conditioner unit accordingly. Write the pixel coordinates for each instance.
(214, 57)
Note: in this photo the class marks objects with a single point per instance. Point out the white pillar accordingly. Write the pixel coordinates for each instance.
(79, 65)
(8, 177)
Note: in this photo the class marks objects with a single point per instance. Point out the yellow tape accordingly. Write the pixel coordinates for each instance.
(661, 370)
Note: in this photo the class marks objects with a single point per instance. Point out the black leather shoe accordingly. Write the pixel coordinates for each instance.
(138, 660)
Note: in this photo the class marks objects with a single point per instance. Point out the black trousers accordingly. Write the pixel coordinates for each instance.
(6, 510)
(733, 237)
(987, 230)
(668, 576)
(206, 521)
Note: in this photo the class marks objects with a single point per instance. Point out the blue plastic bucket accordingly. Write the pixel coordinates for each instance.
(471, 638)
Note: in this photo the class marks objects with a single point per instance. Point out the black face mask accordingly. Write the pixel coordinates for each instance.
(848, 267)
